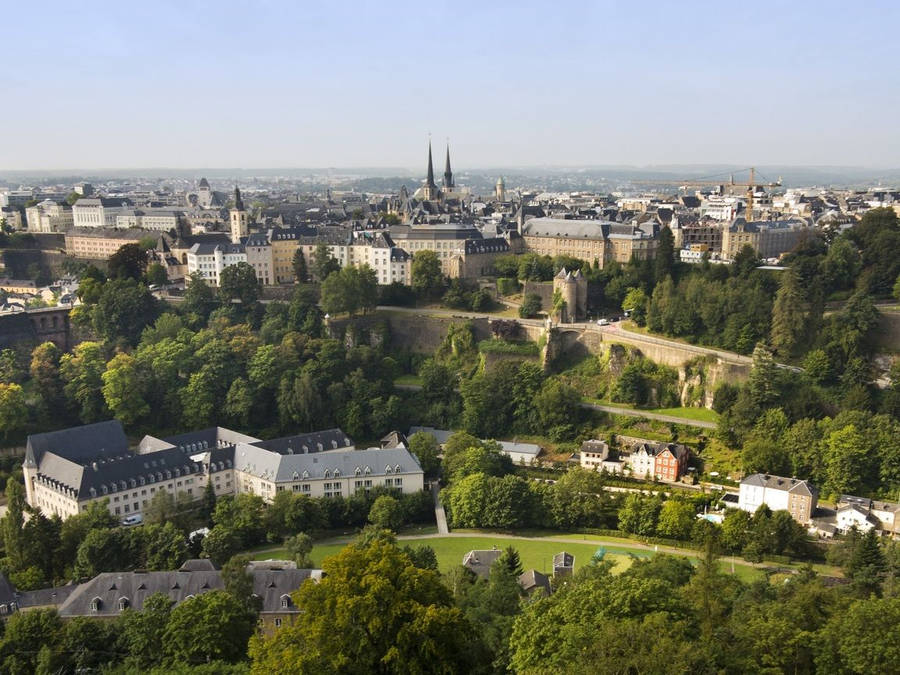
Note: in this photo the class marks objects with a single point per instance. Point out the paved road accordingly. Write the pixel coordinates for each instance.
(671, 419)
(439, 515)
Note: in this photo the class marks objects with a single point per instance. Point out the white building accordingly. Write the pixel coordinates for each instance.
(211, 259)
(66, 470)
(101, 212)
(798, 497)
(49, 216)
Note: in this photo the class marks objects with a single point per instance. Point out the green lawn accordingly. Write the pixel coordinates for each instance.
(535, 552)
(409, 380)
(700, 414)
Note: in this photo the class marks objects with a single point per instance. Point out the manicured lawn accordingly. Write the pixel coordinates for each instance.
(700, 414)
(534, 551)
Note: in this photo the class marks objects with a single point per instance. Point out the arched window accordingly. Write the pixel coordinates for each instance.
(285, 601)
(367, 471)
(95, 605)
(327, 473)
(337, 473)
(123, 603)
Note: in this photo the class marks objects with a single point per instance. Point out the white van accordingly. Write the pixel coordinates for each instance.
(136, 519)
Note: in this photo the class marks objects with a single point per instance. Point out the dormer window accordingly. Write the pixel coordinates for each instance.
(333, 444)
(387, 469)
(285, 601)
(397, 469)
(141, 480)
(95, 605)
(337, 473)
(123, 604)
(103, 489)
(305, 474)
(327, 473)
(367, 471)
(357, 472)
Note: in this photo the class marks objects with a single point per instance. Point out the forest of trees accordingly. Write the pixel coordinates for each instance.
(385, 608)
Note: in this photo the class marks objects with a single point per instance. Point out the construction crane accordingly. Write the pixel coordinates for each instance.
(751, 185)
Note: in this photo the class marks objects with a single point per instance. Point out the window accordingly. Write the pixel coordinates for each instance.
(277, 623)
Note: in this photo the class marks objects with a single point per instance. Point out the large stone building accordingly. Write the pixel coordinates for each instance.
(98, 243)
(769, 238)
(68, 469)
(591, 240)
(797, 497)
(49, 216)
(101, 212)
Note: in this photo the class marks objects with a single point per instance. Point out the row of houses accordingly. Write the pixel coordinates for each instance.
(637, 457)
(66, 470)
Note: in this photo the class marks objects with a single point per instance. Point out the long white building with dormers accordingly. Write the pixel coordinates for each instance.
(68, 469)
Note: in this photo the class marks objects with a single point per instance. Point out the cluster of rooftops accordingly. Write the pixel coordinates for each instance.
(94, 460)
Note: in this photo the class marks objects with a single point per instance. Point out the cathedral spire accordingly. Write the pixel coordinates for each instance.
(238, 202)
(448, 174)
(429, 181)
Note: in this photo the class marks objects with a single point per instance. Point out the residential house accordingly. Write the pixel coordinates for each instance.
(658, 461)
(798, 497)
(563, 565)
(534, 583)
(480, 562)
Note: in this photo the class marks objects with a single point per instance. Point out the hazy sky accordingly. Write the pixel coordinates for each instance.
(319, 84)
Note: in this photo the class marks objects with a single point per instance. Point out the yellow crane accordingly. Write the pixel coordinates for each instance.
(751, 185)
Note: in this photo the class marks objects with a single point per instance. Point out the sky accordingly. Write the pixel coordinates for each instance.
(361, 84)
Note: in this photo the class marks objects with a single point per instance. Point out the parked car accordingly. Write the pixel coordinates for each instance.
(136, 519)
(602, 322)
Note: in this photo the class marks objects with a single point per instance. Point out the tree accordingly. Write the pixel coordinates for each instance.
(665, 253)
(128, 262)
(557, 406)
(426, 276)
(763, 377)
(867, 564)
(123, 390)
(156, 275)
(123, 310)
(13, 409)
(82, 373)
(12, 525)
(676, 519)
(850, 642)
(323, 263)
(635, 303)
(790, 315)
(531, 306)
(24, 631)
(142, 632)
(212, 626)
(239, 282)
(238, 583)
(373, 611)
(426, 449)
(510, 562)
(198, 296)
(847, 460)
(349, 289)
(299, 547)
(639, 514)
(298, 264)
(239, 401)
(386, 513)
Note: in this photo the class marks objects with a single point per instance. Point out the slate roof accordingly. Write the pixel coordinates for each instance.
(533, 580)
(480, 561)
(318, 441)
(268, 465)
(135, 587)
(770, 482)
(521, 448)
(492, 245)
(44, 597)
(440, 435)
(79, 444)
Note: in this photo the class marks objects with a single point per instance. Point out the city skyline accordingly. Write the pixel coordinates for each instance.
(181, 86)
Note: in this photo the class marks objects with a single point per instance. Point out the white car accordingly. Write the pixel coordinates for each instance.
(602, 322)
(136, 519)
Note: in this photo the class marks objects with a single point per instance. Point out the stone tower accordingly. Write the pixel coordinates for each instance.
(572, 286)
(239, 223)
(500, 190)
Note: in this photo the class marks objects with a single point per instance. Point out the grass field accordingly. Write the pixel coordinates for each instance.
(534, 552)
(701, 414)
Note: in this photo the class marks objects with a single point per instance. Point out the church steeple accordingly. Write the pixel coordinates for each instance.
(448, 174)
(429, 181)
(238, 202)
